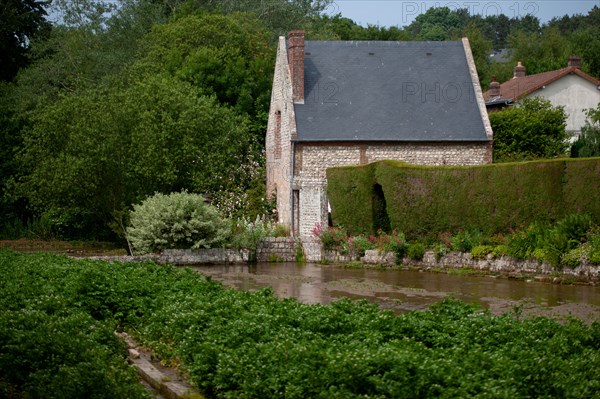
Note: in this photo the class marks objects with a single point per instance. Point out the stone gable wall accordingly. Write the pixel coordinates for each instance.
(279, 166)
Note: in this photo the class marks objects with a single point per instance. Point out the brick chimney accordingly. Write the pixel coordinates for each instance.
(519, 71)
(296, 61)
(494, 89)
(574, 61)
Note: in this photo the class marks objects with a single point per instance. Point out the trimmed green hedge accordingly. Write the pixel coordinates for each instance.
(426, 200)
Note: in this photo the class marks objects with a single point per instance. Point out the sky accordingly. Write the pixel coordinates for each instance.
(401, 13)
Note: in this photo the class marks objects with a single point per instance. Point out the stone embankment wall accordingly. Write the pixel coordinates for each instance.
(285, 249)
(277, 249)
(504, 264)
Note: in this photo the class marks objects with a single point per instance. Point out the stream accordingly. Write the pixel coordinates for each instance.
(408, 290)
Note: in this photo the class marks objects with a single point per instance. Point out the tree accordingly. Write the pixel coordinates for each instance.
(481, 47)
(439, 23)
(588, 142)
(279, 16)
(21, 21)
(92, 154)
(531, 129)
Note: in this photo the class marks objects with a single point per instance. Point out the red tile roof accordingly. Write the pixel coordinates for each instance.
(517, 88)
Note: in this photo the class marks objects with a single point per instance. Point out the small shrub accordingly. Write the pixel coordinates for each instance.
(359, 245)
(572, 258)
(399, 248)
(522, 243)
(416, 251)
(389, 242)
(481, 251)
(178, 220)
(248, 234)
(499, 239)
(539, 254)
(332, 238)
(440, 251)
(280, 230)
(593, 247)
(464, 241)
(574, 228)
(499, 251)
(446, 239)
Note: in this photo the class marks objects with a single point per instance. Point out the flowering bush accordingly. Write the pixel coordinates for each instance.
(332, 238)
(178, 220)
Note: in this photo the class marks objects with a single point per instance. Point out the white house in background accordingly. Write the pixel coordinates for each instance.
(569, 87)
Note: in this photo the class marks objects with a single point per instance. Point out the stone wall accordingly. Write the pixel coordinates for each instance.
(205, 256)
(313, 160)
(284, 250)
(281, 129)
(504, 264)
(277, 249)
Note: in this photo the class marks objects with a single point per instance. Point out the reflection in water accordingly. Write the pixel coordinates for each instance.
(404, 290)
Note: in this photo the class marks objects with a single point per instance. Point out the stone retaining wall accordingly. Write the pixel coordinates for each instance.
(504, 264)
(283, 249)
(205, 256)
(277, 249)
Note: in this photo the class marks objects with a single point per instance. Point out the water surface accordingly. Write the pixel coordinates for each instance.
(406, 290)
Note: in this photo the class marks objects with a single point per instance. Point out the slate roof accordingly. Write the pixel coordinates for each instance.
(387, 91)
(515, 89)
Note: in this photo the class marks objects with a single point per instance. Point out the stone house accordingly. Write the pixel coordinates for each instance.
(569, 87)
(340, 103)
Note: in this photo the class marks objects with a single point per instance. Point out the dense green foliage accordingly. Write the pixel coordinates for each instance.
(89, 156)
(425, 201)
(551, 244)
(532, 129)
(253, 345)
(21, 21)
(588, 142)
(178, 220)
(56, 341)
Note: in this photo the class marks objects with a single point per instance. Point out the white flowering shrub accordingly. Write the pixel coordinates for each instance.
(178, 220)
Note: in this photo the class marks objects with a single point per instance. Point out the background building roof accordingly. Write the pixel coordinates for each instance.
(517, 88)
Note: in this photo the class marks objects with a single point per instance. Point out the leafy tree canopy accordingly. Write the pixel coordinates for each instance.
(533, 128)
(90, 155)
(225, 56)
(21, 21)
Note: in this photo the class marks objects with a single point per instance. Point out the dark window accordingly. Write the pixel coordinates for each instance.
(277, 150)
